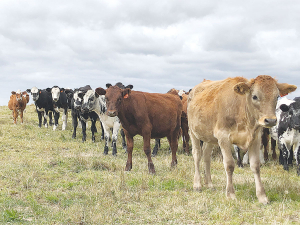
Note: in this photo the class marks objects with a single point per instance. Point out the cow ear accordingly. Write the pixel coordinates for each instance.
(80, 95)
(129, 86)
(241, 88)
(13, 92)
(48, 89)
(285, 88)
(126, 92)
(28, 90)
(284, 108)
(62, 90)
(108, 85)
(100, 91)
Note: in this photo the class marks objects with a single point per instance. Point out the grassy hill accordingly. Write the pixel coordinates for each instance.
(46, 177)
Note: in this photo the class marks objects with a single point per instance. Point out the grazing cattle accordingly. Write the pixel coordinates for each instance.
(78, 114)
(288, 131)
(150, 115)
(60, 104)
(184, 123)
(92, 101)
(17, 103)
(232, 111)
(43, 104)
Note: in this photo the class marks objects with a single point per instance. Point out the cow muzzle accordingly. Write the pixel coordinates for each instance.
(270, 122)
(112, 113)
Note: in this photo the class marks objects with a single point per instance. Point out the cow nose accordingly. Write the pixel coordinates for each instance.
(111, 113)
(297, 127)
(55, 99)
(270, 122)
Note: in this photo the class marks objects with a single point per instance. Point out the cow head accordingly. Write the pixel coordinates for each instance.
(77, 99)
(35, 93)
(55, 92)
(114, 96)
(291, 113)
(19, 95)
(89, 100)
(262, 94)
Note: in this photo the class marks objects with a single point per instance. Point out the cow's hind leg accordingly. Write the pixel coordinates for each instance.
(173, 141)
(156, 147)
(124, 146)
(255, 167)
(147, 150)
(197, 154)
(207, 149)
(237, 151)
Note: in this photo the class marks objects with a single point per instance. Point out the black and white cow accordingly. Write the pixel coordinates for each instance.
(60, 104)
(43, 103)
(289, 134)
(83, 117)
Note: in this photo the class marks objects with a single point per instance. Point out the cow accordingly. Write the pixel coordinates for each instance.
(92, 101)
(184, 123)
(60, 104)
(151, 115)
(288, 133)
(17, 103)
(43, 104)
(78, 114)
(232, 111)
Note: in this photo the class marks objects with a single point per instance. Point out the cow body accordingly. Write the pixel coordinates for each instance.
(150, 115)
(43, 104)
(17, 103)
(94, 102)
(232, 111)
(288, 131)
(60, 105)
(79, 115)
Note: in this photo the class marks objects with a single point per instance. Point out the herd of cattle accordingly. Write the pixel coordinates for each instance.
(235, 112)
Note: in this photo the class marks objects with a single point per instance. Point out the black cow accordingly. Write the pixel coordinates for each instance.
(289, 134)
(60, 104)
(43, 103)
(83, 117)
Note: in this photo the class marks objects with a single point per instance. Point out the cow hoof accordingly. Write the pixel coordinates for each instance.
(198, 189)
(174, 163)
(128, 167)
(151, 168)
(105, 152)
(264, 200)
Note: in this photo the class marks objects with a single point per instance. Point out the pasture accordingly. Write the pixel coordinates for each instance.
(46, 177)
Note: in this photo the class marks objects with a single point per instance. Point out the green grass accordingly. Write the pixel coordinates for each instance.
(46, 177)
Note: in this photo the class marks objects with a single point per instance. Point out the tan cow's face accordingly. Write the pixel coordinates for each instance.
(262, 94)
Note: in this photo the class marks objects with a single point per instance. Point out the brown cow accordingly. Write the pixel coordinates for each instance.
(17, 103)
(150, 115)
(232, 111)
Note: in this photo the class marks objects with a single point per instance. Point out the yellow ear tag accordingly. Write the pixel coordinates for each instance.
(125, 96)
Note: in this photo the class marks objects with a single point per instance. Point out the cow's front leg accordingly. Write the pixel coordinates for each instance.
(56, 117)
(15, 115)
(106, 137)
(285, 155)
(83, 129)
(45, 118)
(64, 119)
(21, 116)
(254, 160)
(93, 129)
(124, 146)
(207, 149)
(297, 157)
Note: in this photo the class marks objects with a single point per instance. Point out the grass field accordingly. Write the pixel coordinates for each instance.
(46, 177)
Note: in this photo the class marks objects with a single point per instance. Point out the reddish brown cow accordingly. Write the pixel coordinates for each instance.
(17, 103)
(150, 115)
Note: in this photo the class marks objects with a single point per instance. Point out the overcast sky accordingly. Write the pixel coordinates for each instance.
(153, 45)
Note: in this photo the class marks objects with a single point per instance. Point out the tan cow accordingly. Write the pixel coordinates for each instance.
(17, 103)
(232, 111)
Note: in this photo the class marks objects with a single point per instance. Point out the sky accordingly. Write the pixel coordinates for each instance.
(153, 45)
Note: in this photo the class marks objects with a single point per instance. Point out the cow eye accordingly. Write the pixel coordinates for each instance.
(254, 97)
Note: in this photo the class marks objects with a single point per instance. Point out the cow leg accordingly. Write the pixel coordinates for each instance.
(50, 119)
(129, 140)
(124, 146)
(45, 115)
(15, 115)
(228, 162)
(64, 119)
(265, 143)
(255, 167)
(185, 135)
(83, 130)
(173, 141)
(156, 147)
(237, 151)
(93, 129)
(291, 156)
(273, 146)
(102, 134)
(207, 149)
(21, 116)
(74, 123)
(285, 155)
(147, 150)
(197, 154)
(297, 157)
(40, 118)
(106, 137)
(56, 117)
(115, 137)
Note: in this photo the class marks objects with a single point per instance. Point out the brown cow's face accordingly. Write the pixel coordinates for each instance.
(19, 96)
(114, 97)
(262, 94)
